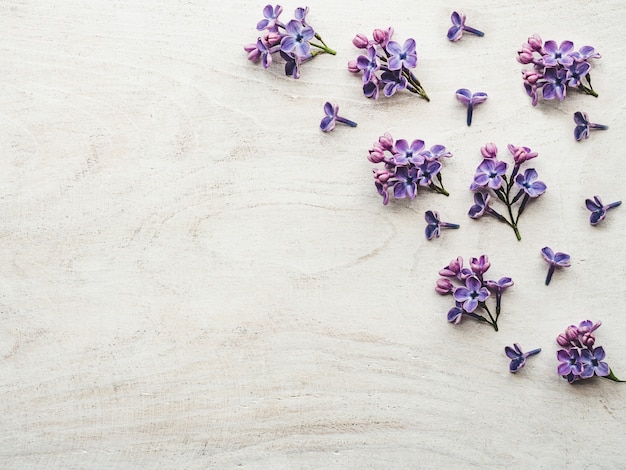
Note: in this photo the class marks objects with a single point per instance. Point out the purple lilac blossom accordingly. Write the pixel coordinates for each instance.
(458, 27)
(436, 152)
(470, 100)
(270, 20)
(558, 54)
(569, 362)
(518, 357)
(555, 84)
(296, 39)
(406, 181)
(403, 56)
(576, 72)
(427, 170)
(481, 205)
(405, 152)
(598, 209)
(554, 260)
(471, 294)
(392, 82)
(592, 364)
(434, 226)
(521, 154)
(529, 184)
(583, 126)
(489, 174)
(480, 266)
(368, 64)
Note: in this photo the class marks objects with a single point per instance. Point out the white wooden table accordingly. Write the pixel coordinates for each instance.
(194, 276)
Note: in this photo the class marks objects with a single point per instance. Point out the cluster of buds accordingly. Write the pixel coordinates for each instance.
(471, 295)
(406, 167)
(386, 65)
(555, 68)
(294, 41)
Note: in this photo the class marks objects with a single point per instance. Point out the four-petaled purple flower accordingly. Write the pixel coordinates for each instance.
(471, 294)
(518, 357)
(592, 364)
(368, 64)
(470, 100)
(434, 226)
(481, 205)
(598, 209)
(406, 181)
(555, 260)
(555, 84)
(403, 56)
(436, 152)
(270, 20)
(555, 55)
(583, 126)
(489, 173)
(458, 27)
(405, 152)
(529, 184)
(427, 170)
(392, 81)
(296, 39)
(569, 362)
(332, 117)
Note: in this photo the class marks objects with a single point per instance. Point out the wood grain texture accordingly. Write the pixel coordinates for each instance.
(194, 276)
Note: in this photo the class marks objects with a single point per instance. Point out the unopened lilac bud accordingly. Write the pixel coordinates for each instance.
(376, 155)
(381, 36)
(531, 76)
(444, 286)
(352, 66)
(563, 341)
(588, 340)
(524, 58)
(382, 175)
(360, 41)
(386, 141)
(571, 333)
(535, 43)
(489, 150)
(271, 39)
(254, 54)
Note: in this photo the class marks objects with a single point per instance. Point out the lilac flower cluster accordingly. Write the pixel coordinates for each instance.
(386, 65)
(491, 179)
(294, 41)
(555, 68)
(581, 358)
(406, 167)
(470, 297)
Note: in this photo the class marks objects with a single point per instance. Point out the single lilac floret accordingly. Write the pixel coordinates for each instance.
(598, 209)
(368, 64)
(471, 294)
(406, 181)
(270, 20)
(529, 184)
(518, 357)
(592, 364)
(555, 84)
(489, 174)
(583, 126)
(576, 72)
(481, 205)
(558, 54)
(436, 152)
(458, 27)
(403, 56)
(393, 81)
(569, 362)
(296, 39)
(405, 152)
(332, 117)
(428, 170)
(470, 100)
(554, 260)
(434, 225)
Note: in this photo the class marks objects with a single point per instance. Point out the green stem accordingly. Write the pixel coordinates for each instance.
(324, 48)
(612, 377)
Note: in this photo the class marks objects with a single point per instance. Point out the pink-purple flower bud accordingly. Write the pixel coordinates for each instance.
(254, 54)
(381, 36)
(524, 57)
(489, 150)
(360, 41)
(382, 175)
(531, 76)
(386, 141)
(271, 39)
(376, 155)
(563, 341)
(571, 333)
(444, 286)
(352, 66)
(535, 43)
(588, 340)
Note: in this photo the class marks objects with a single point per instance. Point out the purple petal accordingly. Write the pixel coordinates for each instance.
(455, 33)
(581, 132)
(457, 19)
(562, 259)
(455, 315)
(464, 95)
(432, 217)
(510, 352)
(473, 283)
(470, 305)
(394, 48)
(548, 254)
(327, 124)
(461, 294)
(432, 230)
(329, 109)
(479, 97)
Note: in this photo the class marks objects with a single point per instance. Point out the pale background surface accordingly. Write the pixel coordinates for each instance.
(194, 276)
